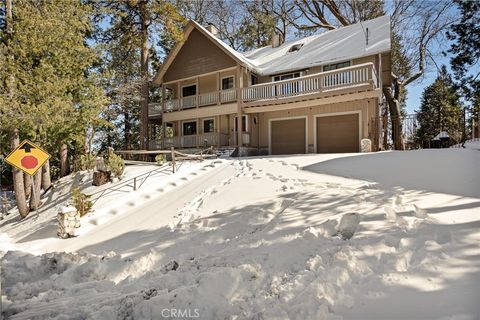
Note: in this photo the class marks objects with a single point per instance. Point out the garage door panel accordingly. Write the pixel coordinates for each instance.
(288, 136)
(337, 134)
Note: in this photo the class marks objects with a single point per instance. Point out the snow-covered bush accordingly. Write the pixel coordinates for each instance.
(116, 164)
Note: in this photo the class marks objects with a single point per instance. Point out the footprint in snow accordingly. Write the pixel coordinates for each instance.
(420, 212)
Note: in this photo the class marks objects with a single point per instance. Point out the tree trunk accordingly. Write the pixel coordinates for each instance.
(18, 187)
(395, 118)
(46, 179)
(144, 91)
(127, 126)
(27, 184)
(35, 196)
(63, 160)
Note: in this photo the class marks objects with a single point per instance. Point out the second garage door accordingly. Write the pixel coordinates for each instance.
(337, 134)
(288, 136)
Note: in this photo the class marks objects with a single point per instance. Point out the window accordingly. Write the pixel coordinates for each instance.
(227, 83)
(295, 47)
(189, 128)
(287, 88)
(244, 124)
(286, 76)
(189, 90)
(253, 79)
(335, 66)
(208, 126)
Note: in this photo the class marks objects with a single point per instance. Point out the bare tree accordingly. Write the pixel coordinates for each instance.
(417, 26)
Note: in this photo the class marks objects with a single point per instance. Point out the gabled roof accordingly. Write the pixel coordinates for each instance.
(337, 45)
(191, 25)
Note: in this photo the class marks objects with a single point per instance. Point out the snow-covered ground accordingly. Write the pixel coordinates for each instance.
(390, 235)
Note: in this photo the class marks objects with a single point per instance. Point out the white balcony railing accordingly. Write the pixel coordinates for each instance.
(323, 82)
(200, 140)
(314, 83)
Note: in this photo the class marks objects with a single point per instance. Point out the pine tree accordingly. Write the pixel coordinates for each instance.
(465, 47)
(48, 88)
(131, 27)
(440, 110)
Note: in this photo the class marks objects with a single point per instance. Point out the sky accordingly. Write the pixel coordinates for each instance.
(414, 90)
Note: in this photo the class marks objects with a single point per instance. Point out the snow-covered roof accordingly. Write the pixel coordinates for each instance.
(341, 44)
(441, 135)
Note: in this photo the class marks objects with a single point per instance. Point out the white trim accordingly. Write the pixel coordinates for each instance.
(225, 77)
(214, 124)
(201, 75)
(286, 74)
(184, 121)
(286, 118)
(318, 115)
(329, 64)
(246, 123)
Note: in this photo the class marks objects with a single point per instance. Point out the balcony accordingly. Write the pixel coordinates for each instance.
(357, 78)
(341, 81)
(201, 100)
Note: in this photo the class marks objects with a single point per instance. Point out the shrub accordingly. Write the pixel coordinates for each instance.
(160, 159)
(116, 164)
(87, 161)
(81, 202)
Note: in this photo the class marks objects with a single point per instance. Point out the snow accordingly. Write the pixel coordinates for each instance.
(341, 44)
(390, 235)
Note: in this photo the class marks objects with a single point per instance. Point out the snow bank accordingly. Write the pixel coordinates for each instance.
(261, 238)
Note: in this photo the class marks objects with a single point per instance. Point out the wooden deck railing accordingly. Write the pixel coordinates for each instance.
(349, 77)
(314, 83)
(193, 141)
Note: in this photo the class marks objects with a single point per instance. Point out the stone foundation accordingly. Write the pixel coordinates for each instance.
(68, 222)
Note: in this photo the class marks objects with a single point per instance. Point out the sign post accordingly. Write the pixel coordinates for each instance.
(27, 157)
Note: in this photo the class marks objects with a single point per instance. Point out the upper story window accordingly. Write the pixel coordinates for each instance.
(228, 83)
(286, 76)
(335, 66)
(189, 90)
(253, 79)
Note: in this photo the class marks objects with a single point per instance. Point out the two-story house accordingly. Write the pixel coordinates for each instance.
(313, 95)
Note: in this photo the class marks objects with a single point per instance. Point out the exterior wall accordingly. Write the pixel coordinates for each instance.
(367, 107)
(197, 56)
(207, 84)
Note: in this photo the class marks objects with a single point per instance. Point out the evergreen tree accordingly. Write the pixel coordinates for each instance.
(48, 90)
(129, 30)
(440, 110)
(465, 36)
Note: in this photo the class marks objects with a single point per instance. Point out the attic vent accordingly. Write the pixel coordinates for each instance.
(295, 47)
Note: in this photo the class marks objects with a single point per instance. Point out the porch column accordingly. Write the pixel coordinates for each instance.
(218, 130)
(164, 98)
(197, 135)
(219, 94)
(239, 105)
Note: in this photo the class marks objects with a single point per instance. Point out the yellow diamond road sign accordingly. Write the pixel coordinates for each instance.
(28, 157)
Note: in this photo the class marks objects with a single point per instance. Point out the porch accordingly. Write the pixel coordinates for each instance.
(204, 140)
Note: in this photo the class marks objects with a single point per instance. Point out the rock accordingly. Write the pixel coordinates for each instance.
(366, 145)
(348, 225)
(101, 177)
(171, 266)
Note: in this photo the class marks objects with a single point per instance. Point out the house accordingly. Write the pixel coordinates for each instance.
(318, 94)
